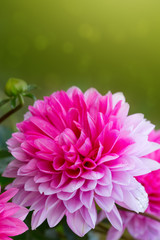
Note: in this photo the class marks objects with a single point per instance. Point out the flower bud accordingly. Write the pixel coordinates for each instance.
(15, 86)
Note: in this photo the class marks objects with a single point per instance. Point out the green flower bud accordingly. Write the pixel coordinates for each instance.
(15, 86)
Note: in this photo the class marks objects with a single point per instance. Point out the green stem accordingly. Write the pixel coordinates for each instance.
(103, 227)
(21, 99)
(9, 113)
(145, 214)
(99, 231)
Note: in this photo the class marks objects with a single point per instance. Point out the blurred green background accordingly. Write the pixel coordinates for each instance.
(107, 44)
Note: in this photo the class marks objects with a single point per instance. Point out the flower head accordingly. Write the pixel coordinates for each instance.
(141, 227)
(11, 216)
(74, 150)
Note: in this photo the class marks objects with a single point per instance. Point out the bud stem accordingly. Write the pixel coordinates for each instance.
(145, 214)
(9, 113)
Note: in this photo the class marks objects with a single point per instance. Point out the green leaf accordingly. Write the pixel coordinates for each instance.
(5, 181)
(4, 101)
(5, 134)
(31, 87)
(4, 154)
(4, 161)
(30, 95)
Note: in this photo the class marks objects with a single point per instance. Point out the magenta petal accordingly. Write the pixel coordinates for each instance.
(6, 196)
(85, 147)
(77, 223)
(45, 167)
(72, 115)
(8, 210)
(92, 127)
(59, 163)
(122, 144)
(67, 137)
(47, 145)
(73, 173)
(12, 227)
(109, 139)
(45, 126)
(107, 158)
(91, 95)
(4, 237)
(89, 164)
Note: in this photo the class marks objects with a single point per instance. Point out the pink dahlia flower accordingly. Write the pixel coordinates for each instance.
(76, 150)
(11, 216)
(140, 227)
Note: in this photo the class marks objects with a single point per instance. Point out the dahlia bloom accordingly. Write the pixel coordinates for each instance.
(11, 216)
(140, 227)
(74, 151)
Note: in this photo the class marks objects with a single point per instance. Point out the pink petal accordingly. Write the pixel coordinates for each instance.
(38, 217)
(89, 215)
(121, 177)
(115, 218)
(65, 195)
(73, 204)
(114, 234)
(77, 223)
(30, 185)
(87, 198)
(73, 185)
(104, 190)
(55, 212)
(105, 203)
(89, 185)
(94, 174)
